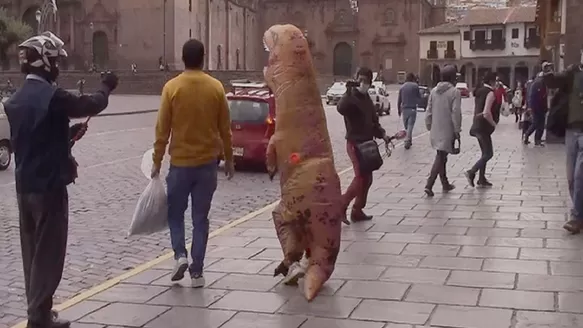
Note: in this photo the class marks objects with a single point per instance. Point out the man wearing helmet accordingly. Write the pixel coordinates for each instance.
(39, 114)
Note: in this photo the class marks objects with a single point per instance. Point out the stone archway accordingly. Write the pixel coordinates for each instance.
(29, 17)
(100, 49)
(343, 59)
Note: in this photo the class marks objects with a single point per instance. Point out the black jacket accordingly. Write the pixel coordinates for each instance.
(360, 117)
(39, 114)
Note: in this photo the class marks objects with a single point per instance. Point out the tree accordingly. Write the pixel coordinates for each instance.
(12, 31)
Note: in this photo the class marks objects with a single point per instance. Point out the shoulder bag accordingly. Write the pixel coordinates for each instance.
(368, 156)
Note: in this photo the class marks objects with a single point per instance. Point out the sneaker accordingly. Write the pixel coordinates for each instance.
(179, 269)
(197, 281)
(295, 273)
(304, 263)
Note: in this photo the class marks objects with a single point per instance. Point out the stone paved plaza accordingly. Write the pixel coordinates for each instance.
(474, 258)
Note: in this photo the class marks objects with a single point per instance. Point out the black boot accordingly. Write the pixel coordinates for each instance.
(484, 183)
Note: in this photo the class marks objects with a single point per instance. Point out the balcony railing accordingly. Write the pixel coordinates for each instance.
(488, 44)
(532, 42)
(432, 54)
(450, 54)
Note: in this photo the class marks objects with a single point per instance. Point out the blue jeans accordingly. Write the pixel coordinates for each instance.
(199, 183)
(537, 126)
(409, 118)
(574, 145)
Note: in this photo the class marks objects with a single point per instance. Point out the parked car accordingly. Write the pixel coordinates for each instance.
(424, 95)
(382, 90)
(5, 147)
(463, 88)
(252, 108)
(335, 92)
(380, 101)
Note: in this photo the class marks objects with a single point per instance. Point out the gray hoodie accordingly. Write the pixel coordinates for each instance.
(444, 116)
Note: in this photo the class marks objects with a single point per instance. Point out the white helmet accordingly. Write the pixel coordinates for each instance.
(47, 48)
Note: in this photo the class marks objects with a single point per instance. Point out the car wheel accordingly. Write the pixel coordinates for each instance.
(5, 155)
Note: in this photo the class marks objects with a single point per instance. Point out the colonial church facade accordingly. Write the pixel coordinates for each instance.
(119, 33)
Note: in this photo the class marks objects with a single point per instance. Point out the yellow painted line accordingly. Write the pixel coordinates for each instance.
(150, 264)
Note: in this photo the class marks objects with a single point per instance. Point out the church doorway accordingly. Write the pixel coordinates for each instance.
(100, 49)
(343, 59)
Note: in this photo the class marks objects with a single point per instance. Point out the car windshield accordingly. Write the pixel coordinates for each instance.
(248, 111)
(461, 86)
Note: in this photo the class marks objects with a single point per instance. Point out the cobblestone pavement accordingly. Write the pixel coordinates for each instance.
(473, 258)
(103, 199)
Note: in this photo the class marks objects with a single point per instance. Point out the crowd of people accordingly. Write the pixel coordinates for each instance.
(194, 111)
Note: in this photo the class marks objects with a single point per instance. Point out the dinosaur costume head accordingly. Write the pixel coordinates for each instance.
(288, 51)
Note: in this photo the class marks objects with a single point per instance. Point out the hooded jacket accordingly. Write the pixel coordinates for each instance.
(444, 116)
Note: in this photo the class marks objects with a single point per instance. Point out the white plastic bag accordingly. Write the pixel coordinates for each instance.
(505, 109)
(151, 214)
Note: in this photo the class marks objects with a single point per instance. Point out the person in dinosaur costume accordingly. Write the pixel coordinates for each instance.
(309, 216)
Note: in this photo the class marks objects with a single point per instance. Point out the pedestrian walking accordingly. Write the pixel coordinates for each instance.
(362, 125)
(538, 107)
(193, 112)
(486, 117)
(444, 119)
(407, 101)
(38, 114)
(568, 120)
(518, 101)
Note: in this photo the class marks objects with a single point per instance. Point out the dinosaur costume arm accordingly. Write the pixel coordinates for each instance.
(271, 158)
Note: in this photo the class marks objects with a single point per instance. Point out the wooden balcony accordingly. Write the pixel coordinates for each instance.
(432, 54)
(450, 54)
(488, 44)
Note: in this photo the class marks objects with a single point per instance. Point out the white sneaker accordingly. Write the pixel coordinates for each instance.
(304, 262)
(198, 281)
(179, 269)
(294, 274)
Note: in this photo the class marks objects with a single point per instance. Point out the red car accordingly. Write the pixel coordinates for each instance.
(463, 88)
(252, 107)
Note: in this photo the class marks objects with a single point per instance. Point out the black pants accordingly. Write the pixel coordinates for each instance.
(44, 221)
(438, 169)
(485, 142)
(537, 126)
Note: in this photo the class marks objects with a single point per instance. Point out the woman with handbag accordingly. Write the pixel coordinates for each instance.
(443, 118)
(362, 127)
(486, 117)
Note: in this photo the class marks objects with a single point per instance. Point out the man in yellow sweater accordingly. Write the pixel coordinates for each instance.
(194, 114)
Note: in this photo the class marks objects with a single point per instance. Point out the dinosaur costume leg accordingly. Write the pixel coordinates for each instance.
(292, 239)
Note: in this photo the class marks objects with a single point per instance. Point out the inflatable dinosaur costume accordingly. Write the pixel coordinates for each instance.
(309, 216)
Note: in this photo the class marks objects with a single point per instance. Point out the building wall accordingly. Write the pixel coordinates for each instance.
(573, 40)
(382, 34)
(441, 39)
(514, 47)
